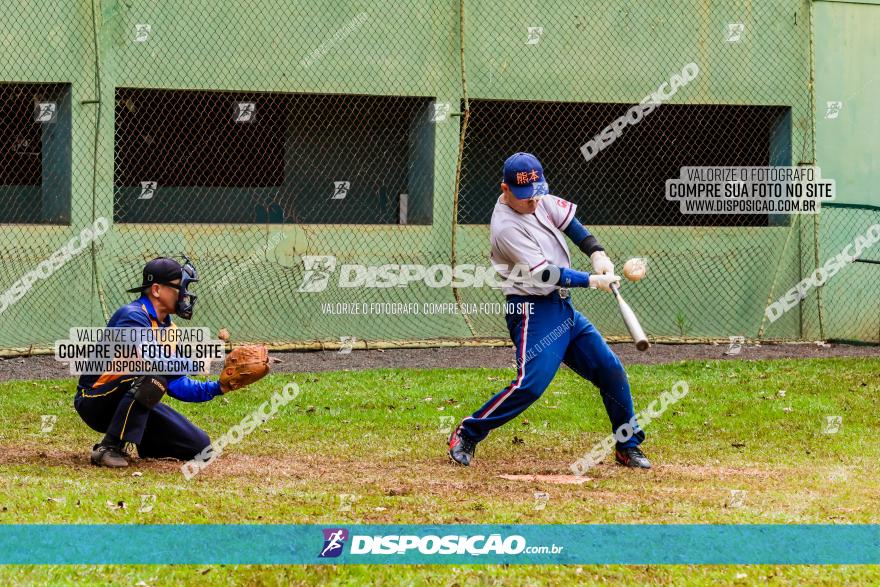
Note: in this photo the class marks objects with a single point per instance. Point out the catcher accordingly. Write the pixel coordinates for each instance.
(129, 409)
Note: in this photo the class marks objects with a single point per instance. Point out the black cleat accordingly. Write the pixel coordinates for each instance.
(632, 457)
(104, 455)
(461, 448)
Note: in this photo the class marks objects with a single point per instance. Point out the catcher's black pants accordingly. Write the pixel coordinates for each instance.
(157, 432)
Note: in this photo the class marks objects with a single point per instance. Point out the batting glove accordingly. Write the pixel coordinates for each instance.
(601, 263)
(603, 282)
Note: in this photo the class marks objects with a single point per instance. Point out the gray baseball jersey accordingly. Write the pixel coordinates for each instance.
(529, 242)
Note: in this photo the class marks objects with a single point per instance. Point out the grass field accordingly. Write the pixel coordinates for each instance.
(748, 444)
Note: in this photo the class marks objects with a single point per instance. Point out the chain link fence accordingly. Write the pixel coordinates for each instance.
(304, 155)
(850, 300)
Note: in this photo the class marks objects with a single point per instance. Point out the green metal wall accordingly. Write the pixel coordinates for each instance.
(847, 53)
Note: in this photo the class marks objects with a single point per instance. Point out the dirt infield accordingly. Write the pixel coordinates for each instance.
(45, 367)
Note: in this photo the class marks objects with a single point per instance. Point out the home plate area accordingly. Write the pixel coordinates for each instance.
(557, 479)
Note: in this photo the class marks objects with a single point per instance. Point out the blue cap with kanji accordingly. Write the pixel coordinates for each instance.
(524, 176)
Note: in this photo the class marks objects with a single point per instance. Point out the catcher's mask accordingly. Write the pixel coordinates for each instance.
(164, 270)
(186, 300)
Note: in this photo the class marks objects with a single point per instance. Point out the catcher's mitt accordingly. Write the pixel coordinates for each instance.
(243, 366)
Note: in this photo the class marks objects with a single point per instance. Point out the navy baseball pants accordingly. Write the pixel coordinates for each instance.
(552, 334)
(157, 432)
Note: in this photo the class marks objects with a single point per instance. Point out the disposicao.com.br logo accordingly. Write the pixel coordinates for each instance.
(452, 544)
(334, 542)
(319, 269)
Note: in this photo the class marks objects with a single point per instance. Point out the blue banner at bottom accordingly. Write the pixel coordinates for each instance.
(444, 544)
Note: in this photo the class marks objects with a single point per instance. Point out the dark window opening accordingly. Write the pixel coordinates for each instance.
(35, 166)
(224, 157)
(624, 184)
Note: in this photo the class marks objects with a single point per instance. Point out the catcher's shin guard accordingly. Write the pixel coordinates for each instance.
(131, 414)
(149, 390)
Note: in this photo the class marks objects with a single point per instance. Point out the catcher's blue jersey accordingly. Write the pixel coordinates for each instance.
(141, 314)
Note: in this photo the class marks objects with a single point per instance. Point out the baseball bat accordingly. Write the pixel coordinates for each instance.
(632, 323)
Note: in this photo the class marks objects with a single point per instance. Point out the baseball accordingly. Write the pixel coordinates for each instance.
(635, 269)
